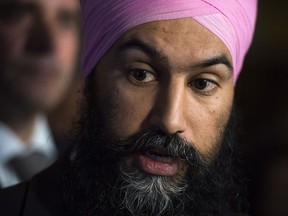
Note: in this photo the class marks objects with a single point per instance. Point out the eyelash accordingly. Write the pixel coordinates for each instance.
(132, 72)
(209, 88)
(208, 82)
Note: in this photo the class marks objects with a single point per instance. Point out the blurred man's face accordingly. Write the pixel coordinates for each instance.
(39, 48)
(170, 76)
(157, 107)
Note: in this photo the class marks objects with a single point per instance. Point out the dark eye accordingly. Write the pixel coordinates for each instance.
(204, 86)
(143, 77)
(13, 12)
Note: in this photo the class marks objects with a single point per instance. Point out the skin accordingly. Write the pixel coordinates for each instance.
(174, 76)
(39, 43)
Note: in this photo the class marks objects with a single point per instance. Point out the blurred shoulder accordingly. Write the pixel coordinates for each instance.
(12, 199)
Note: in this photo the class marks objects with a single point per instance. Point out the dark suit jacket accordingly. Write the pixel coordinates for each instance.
(42, 196)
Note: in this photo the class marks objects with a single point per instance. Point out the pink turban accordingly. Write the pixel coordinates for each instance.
(104, 21)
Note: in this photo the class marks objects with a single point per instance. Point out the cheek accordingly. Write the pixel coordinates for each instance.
(207, 123)
(130, 112)
(11, 45)
(67, 47)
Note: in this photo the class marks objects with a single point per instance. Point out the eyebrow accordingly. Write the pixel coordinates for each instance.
(151, 51)
(144, 47)
(221, 59)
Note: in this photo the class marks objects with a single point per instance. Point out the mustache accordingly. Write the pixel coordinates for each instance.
(171, 144)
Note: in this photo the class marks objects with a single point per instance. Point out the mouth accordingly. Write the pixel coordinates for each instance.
(158, 162)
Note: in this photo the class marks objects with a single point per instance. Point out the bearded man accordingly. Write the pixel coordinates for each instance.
(156, 134)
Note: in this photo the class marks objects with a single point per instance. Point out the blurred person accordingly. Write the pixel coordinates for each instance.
(65, 115)
(157, 131)
(39, 43)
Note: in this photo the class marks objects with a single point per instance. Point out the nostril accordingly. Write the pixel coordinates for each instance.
(168, 125)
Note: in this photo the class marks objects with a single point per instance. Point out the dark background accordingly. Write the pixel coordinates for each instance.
(262, 97)
(262, 88)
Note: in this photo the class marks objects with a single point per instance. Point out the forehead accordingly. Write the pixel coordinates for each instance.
(180, 36)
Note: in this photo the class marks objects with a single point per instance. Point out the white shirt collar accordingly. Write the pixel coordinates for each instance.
(11, 146)
(41, 140)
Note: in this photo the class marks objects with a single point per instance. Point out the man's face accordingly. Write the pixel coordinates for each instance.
(171, 76)
(152, 131)
(39, 46)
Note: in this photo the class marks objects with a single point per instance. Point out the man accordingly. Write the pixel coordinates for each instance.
(39, 43)
(156, 135)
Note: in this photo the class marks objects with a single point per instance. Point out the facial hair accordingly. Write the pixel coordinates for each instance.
(98, 182)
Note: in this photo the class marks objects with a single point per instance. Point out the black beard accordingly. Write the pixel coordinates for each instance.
(98, 183)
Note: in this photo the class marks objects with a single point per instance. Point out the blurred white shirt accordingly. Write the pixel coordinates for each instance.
(11, 146)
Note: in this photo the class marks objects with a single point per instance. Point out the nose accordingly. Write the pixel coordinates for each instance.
(39, 37)
(168, 114)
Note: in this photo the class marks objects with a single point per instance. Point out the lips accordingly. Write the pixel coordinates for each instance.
(160, 156)
(157, 162)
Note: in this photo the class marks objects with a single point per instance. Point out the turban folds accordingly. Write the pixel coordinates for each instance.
(104, 21)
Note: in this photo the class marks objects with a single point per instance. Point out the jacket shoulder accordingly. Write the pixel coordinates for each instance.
(12, 199)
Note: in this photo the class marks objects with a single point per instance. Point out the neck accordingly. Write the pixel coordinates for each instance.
(20, 120)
